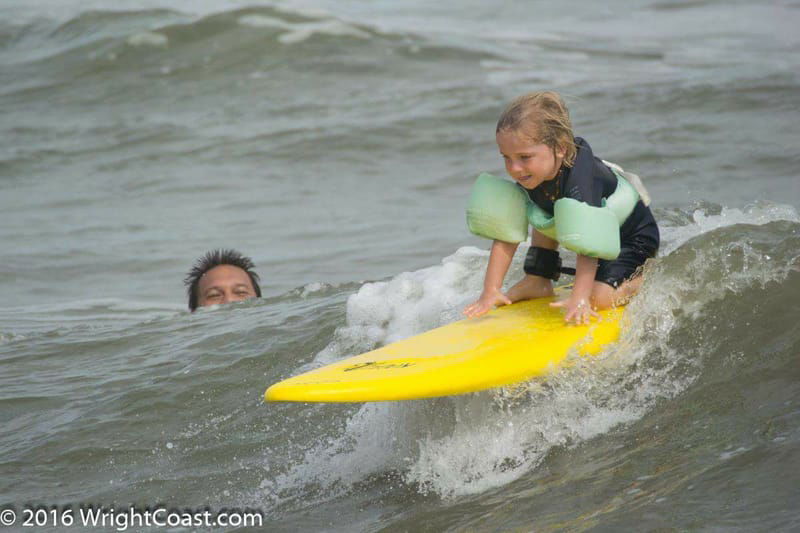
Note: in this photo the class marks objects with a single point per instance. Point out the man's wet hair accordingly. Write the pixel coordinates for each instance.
(213, 259)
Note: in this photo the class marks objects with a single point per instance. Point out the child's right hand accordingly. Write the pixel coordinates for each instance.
(487, 301)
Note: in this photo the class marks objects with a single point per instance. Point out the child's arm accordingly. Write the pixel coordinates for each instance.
(530, 286)
(499, 260)
(578, 305)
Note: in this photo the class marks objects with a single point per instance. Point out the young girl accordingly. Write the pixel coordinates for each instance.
(543, 157)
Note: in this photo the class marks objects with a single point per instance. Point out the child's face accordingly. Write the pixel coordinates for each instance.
(529, 163)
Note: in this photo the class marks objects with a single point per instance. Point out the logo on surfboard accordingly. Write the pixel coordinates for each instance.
(378, 365)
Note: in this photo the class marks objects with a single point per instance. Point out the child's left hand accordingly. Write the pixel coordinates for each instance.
(578, 310)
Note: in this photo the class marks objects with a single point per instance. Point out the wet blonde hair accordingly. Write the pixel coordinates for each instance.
(544, 118)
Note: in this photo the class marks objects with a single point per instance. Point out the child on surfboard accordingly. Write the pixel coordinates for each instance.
(570, 197)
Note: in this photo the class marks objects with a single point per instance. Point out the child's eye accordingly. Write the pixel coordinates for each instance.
(525, 157)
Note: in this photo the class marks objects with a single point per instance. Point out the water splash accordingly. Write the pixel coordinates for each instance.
(458, 446)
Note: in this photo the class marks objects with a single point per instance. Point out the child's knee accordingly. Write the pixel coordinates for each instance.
(602, 295)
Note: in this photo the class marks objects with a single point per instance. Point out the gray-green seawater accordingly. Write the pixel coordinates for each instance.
(335, 143)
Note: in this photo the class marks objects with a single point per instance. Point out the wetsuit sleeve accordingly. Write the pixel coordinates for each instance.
(580, 183)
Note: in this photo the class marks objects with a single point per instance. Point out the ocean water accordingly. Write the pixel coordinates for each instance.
(335, 143)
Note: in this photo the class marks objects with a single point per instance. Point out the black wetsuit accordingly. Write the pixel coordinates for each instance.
(589, 181)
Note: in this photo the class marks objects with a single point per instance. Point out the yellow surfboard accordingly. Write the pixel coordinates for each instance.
(507, 345)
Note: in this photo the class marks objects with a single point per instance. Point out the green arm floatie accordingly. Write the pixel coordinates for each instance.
(587, 230)
(496, 210)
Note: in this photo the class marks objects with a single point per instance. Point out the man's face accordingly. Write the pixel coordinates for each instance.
(224, 284)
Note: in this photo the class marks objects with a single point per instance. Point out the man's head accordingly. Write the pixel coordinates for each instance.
(221, 276)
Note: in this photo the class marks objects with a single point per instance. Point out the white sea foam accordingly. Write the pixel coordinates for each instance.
(156, 40)
(300, 31)
(408, 304)
(756, 214)
(313, 287)
(490, 446)
(263, 21)
(730, 454)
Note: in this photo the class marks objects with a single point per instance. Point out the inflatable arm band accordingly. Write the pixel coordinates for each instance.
(496, 210)
(587, 230)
